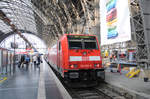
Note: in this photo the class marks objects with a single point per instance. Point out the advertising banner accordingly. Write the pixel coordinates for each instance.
(114, 21)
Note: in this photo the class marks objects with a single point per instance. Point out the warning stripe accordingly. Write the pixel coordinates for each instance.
(75, 58)
(84, 58)
(94, 58)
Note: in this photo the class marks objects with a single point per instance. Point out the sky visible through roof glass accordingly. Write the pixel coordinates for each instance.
(35, 41)
(20, 14)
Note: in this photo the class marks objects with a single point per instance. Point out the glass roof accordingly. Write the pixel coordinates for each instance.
(36, 42)
(4, 28)
(20, 13)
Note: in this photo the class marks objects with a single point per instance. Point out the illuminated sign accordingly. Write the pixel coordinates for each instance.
(80, 37)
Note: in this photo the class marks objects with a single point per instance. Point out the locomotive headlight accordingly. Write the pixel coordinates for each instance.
(73, 66)
(97, 65)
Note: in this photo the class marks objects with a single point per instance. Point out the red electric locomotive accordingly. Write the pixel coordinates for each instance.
(77, 57)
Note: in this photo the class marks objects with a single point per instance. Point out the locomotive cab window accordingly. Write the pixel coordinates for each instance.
(90, 45)
(82, 42)
(75, 45)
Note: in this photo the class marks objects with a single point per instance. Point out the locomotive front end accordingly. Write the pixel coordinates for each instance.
(85, 62)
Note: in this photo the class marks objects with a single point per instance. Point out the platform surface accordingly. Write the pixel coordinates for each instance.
(135, 85)
(32, 83)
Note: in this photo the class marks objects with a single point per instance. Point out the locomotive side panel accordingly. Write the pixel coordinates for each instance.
(64, 54)
(52, 56)
(57, 55)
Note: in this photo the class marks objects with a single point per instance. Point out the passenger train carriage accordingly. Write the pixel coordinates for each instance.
(77, 57)
(6, 60)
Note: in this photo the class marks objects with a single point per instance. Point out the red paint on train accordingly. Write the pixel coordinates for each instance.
(77, 57)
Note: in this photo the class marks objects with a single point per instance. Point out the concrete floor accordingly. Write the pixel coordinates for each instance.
(24, 84)
(135, 84)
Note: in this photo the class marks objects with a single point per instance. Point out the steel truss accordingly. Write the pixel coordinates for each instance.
(140, 17)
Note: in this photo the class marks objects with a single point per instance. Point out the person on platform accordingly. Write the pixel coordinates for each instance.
(35, 60)
(27, 60)
(111, 56)
(39, 60)
(21, 61)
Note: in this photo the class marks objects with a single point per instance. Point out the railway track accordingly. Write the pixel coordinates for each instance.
(102, 91)
(88, 94)
(93, 93)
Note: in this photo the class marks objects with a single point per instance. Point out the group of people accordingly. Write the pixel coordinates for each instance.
(26, 59)
(37, 60)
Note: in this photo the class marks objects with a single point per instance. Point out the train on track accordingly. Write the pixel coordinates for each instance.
(6, 60)
(78, 57)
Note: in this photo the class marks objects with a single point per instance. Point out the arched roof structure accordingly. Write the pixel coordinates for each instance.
(48, 19)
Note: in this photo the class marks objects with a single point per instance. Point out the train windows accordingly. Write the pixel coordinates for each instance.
(90, 45)
(59, 46)
(79, 37)
(75, 45)
(82, 42)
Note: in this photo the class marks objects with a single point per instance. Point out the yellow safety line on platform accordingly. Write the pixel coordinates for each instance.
(5, 78)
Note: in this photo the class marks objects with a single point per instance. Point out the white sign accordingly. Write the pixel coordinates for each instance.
(115, 21)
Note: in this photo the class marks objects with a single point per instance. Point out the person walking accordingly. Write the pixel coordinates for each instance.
(27, 60)
(39, 60)
(35, 60)
(21, 61)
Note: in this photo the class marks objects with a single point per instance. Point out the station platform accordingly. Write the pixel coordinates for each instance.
(133, 85)
(33, 83)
